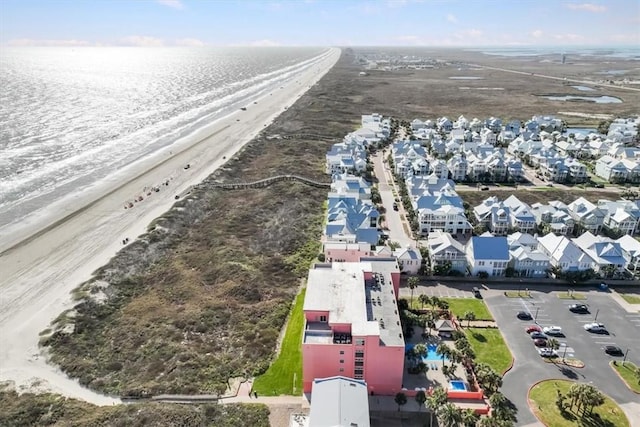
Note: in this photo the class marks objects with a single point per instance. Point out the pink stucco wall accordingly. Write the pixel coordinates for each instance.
(344, 255)
(314, 316)
(383, 366)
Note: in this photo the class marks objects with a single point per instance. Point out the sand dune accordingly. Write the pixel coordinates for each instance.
(41, 263)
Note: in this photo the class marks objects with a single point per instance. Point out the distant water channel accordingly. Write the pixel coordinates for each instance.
(597, 99)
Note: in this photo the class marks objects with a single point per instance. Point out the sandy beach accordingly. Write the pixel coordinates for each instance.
(42, 262)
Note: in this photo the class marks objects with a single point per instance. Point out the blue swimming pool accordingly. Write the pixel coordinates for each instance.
(457, 385)
(431, 356)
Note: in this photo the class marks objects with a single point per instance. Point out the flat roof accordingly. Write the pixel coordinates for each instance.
(371, 308)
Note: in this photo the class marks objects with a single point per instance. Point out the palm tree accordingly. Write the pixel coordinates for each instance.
(469, 418)
(434, 302)
(469, 316)
(501, 408)
(437, 398)
(449, 415)
(420, 350)
(413, 283)
(424, 299)
(400, 399)
(421, 397)
(553, 344)
(444, 351)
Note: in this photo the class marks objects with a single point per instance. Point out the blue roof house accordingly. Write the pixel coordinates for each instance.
(488, 254)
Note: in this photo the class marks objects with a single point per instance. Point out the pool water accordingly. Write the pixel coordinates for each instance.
(457, 385)
(431, 356)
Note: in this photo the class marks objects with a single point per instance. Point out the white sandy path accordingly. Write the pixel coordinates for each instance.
(36, 277)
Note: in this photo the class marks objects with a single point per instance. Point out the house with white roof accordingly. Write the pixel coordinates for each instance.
(457, 166)
(630, 251)
(622, 216)
(611, 169)
(488, 254)
(350, 185)
(443, 248)
(564, 254)
(529, 263)
(409, 259)
(493, 215)
(521, 217)
(605, 252)
(577, 170)
(442, 211)
(553, 218)
(427, 185)
(586, 214)
(518, 239)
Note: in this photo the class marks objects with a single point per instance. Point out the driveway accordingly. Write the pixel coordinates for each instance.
(550, 310)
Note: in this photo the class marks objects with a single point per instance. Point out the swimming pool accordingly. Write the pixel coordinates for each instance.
(431, 356)
(457, 385)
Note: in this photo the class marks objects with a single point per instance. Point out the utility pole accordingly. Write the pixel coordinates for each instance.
(596, 318)
(535, 317)
(625, 356)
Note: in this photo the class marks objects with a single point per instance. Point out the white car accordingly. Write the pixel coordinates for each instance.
(547, 352)
(595, 327)
(552, 330)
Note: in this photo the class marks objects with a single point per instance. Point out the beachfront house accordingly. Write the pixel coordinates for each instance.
(446, 253)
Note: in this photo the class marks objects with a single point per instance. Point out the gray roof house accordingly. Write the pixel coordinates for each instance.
(339, 402)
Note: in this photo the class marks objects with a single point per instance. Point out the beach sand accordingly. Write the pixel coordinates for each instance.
(41, 266)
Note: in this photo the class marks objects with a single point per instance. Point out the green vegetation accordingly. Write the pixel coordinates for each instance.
(279, 378)
(51, 409)
(629, 372)
(517, 294)
(547, 395)
(631, 298)
(459, 306)
(572, 295)
(490, 348)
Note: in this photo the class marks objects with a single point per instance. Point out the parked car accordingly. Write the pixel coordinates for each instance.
(597, 328)
(538, 335)
(540, 342)
(395, 206)
(476, 293)
(552, 330)
(613, 350)
(533, 328)
(524, 315)
(485, 188)
(547, 352)
(579, 308)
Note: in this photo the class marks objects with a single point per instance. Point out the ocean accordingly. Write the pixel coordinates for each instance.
(70, 117)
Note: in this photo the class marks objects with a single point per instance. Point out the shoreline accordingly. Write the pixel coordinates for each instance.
(42, 269)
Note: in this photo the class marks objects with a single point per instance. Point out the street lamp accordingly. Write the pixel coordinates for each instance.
(625, 356)
(535, 317)
(596, 318)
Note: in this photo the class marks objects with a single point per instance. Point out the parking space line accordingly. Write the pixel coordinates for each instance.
(605, 343)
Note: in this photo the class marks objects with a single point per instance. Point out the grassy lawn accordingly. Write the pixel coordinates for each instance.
(572, 295)
(543, 403)
(631, 298)
(626, 371)
(459, 306)
(279, 377)
(489, 347)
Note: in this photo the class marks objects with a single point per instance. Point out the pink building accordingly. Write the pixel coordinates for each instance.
(346, 252)
(352, 326)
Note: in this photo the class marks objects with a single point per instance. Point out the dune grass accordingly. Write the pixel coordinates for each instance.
(285, 372)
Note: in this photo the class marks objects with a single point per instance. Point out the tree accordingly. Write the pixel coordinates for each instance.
(489, 380)
(501, 408)
(413, 283)
(444, 351)
(553, 344)
(469, 418)
(424, 299)
(469, 316)
(449, 415)
(420, 350)
(400, 399)
(437, 398)
(637, 373)
(421, 397)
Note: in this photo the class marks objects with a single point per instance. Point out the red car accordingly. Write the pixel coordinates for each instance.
(540, 342)
(533, 328)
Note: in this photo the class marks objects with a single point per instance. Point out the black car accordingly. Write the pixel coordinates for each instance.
(579, 308)
(537, 336)
(613, 350)
(523, 315)
(476, 293)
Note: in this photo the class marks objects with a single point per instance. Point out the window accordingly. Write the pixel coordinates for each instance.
(341, 351)
(359, 354)
(341, 360)
(323, 318)
(359, 363)
(360, 341)
(341, 369)
(359, 372)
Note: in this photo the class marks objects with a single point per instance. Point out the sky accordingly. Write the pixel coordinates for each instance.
(319, 23)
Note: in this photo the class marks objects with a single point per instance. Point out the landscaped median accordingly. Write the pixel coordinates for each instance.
(286, 370)
(628, 372)
(545, 398)
(460, 306)
(572, 295)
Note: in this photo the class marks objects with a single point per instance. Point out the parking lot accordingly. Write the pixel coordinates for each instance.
(547, 309)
